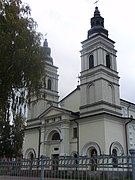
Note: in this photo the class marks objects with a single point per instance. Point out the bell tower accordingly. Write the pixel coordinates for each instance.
(49, 92)
(99, 80)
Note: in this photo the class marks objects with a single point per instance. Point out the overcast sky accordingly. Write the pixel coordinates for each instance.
(67, 23)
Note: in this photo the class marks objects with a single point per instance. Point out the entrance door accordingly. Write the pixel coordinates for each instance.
(55, 161)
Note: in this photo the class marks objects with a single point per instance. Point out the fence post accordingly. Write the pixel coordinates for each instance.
(132, 152)
(42, 167)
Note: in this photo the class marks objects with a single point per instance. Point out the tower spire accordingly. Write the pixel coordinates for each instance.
(97, 24)
(46, 52)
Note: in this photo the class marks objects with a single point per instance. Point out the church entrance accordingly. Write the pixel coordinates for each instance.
(53, 144)
(55, 161)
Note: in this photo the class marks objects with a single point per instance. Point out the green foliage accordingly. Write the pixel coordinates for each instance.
(11, 137)
(17, 135)
(20, 60)
(5, 139)
(21, 70)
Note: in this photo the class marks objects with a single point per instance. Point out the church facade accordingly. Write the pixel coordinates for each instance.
(92, 119)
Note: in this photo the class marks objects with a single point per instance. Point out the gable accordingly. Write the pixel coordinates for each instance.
(52, 112)
(55, 111)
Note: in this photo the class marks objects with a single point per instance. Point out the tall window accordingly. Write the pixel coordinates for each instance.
(93, 154)
(49, 84)
(114, 158)
(75, 132)
(108, 61)
(91, 61)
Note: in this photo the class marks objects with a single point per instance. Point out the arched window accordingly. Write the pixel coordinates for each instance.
(118, 149)
(114, 158)
(49, 84)
(91, 61)
(108, 61)
(93, 154)
(31, 155)
(56, 136)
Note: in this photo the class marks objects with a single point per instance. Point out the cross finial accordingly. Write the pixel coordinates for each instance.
(45, 41)
(45, 35)
(96, 2)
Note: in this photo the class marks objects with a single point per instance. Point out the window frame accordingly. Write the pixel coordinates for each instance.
(49, 84)
(91, 61)
(108, 61)
(75, 132)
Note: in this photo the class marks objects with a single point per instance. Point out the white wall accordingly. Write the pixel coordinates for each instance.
(31, 141)
(104, 131)
(92, 131)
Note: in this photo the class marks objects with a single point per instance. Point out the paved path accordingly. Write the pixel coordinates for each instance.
(18, 178)
(25, 178)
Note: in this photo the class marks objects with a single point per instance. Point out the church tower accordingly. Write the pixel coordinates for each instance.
(99, 80)
(49, 92)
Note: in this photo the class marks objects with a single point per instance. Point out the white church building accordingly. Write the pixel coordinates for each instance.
(92, 119)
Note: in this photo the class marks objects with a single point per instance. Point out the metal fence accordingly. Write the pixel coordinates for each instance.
(81, 168)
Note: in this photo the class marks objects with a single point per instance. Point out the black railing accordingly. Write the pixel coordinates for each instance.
(97, 167)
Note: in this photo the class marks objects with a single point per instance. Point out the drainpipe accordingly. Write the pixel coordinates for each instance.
(77, 136)
(39, 142)
(126, 134)
(126, 128)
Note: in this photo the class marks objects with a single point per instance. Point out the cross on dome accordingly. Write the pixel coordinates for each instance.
(96, 2)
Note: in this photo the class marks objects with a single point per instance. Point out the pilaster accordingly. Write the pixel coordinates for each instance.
(64, 146)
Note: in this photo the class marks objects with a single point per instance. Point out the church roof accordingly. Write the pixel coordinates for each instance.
(102, 35)
(127, 103)
(76, 89)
